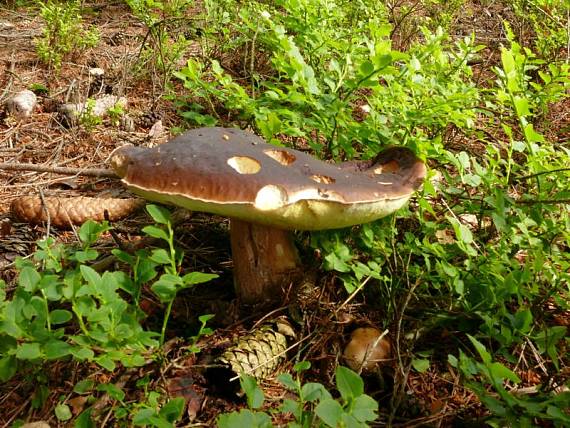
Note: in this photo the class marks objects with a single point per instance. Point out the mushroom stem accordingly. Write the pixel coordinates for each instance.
(265, 260)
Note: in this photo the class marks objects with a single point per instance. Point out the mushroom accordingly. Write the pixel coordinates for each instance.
(267, 191)
(368, 347)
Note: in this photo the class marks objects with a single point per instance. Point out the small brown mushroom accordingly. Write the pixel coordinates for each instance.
(266, 191)
(367, 349)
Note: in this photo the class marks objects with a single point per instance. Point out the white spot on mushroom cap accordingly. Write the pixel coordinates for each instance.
(392, 166)
(270, 197)
(325, 179)
(282, 156)
(244, 164)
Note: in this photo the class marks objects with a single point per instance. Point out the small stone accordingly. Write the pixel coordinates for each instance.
(99, 107)
(96, 72)
(156, 130)
(5, 25)
(22, 104)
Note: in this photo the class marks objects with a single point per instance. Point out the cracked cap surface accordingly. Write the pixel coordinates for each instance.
(234, 173)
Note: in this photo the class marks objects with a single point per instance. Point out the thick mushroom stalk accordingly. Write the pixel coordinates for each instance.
(266, 191)
(265, 261)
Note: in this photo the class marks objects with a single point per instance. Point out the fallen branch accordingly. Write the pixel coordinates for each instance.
(90, 172)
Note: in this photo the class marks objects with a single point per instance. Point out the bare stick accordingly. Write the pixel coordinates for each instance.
(91, 172)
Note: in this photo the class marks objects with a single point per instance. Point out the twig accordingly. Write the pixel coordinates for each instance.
(46, 212)
(551, 171)
(354, 293)
(543, 201)
(91, 172)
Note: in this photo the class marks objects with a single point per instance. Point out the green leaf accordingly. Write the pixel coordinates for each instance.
(112, 390)
(509, 66)
(302, 366)
(141, 418)
(29, 279)
(193, 278)
(90, 231)
(166, 287)
(55, 349)
(8, 367)
(500, 372)
(159, 214)
(312, 391)
(84, 386)
(558, 414)
(366, 68)
(106, 362)
(84, 420)
(156, 232)
(494, 405)
(252, 391)
(245, 418)
(287, 380)
(28, 351)
(462, 232)
(348, 383)
(364, 408)
(421, 365)
(531, 135)
(521, 106)
(160, 256)
(522, 320)
(90, 275)
(85, 256)
(172, 411)
(330, 412)
(62, 412)
(200, 119)
(205, 318)
(485, 356)
(383, 61)
(60, 316)
(146, 270)
(292, 406)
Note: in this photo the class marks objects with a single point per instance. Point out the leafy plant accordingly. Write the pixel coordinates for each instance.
(485, 244)
(88, 118)
(314, 405)
(64, 32)
(546, 19)
(170, 282)
(62, 308)
(115, 113)
(166, 23)
(153, 409)
(516, 410)
(316, 83)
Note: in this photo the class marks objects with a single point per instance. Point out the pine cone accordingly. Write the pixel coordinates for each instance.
(260, 352)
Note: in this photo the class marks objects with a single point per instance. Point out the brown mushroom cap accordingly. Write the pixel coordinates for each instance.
(367, 349)
(234, 173)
